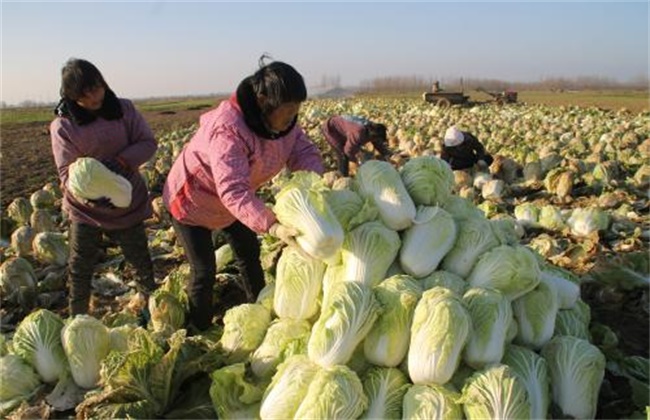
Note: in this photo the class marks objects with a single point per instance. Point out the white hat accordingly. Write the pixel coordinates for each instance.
(453, 137)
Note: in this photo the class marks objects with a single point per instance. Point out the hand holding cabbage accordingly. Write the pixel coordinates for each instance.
(285, 233)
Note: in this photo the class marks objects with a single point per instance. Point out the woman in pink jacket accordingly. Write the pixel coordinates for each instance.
(239, 146)
(92, 122)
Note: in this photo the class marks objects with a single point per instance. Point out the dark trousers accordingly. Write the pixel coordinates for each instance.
(343, 163)
(199, 251)
(84, 241)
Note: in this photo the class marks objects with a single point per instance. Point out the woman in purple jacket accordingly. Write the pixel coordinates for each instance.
(347, 134)
(92, 122)
(239, 146)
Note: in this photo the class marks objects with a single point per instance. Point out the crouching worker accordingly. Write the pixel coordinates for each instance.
(462, 150)
(238, 147)
(91, 122)
(347, 134)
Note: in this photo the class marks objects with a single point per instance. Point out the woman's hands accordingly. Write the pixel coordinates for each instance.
(284, 233)
(287, 235)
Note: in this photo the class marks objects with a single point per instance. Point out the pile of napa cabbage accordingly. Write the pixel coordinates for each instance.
(425, 309)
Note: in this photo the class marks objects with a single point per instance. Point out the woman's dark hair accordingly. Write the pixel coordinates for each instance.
(77, 77)
(279, 83)
(377, 130)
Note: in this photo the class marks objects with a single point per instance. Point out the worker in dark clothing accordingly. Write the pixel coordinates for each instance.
(462, 150)
(347, 134)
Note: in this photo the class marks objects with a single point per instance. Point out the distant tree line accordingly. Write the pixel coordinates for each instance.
(406, 84)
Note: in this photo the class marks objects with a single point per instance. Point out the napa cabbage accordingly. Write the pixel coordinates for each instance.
(288, 388)
(380, 182)
(283, 338)
(385, 388)
(532, 369)
(432, 401)
(387, 342)
(495, 392)
(440, 329)
(427, 241)
(86, 343)
(368, 251)
(513, 270)
(491, 315)
(535, 313)
(343, 323)
(428, 179)
(298, 283)
(475, 237)
(577, 369)
(89, 179)
(38, 341)
(301, 204)
(244, 327)
(335, 392)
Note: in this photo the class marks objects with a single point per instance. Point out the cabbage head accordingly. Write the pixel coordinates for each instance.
(38, 341)
(535, 313)
(334, 393)
(461, 208)
(527, 214)
(51, 248)
(565, 283)
(385, 388)
(41, 221)
(425, 402)
(234, 395)
(447, 279)
(350, 209)
(491, 315)
(368, 251)
(283, 338)
(20, 210)
(86, 343)
(343, 323)
(167, 312)
(532, 369)
(550, 217)
(42, 199)
(288, 388)
(587, 221)
(475, 237)
(298, 283)
(89, 179)
(244, 327)
(427, 241)
(569, 322)
(440, 329)
(19, 382)
(21, 240)
(428, 179)
(301, 204)
(18, 282)
(513, 270)
(577, 370)
(495, 392)
(381, 182)
(387, 342)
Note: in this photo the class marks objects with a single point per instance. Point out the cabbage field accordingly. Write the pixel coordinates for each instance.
(521, 291)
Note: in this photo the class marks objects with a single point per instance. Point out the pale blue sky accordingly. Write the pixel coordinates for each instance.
(159, 48)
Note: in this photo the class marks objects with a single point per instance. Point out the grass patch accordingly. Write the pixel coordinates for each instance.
(45, 114)
(26, 115)
(175, 105)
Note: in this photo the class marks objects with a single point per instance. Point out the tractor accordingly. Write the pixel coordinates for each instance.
(503, 97)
